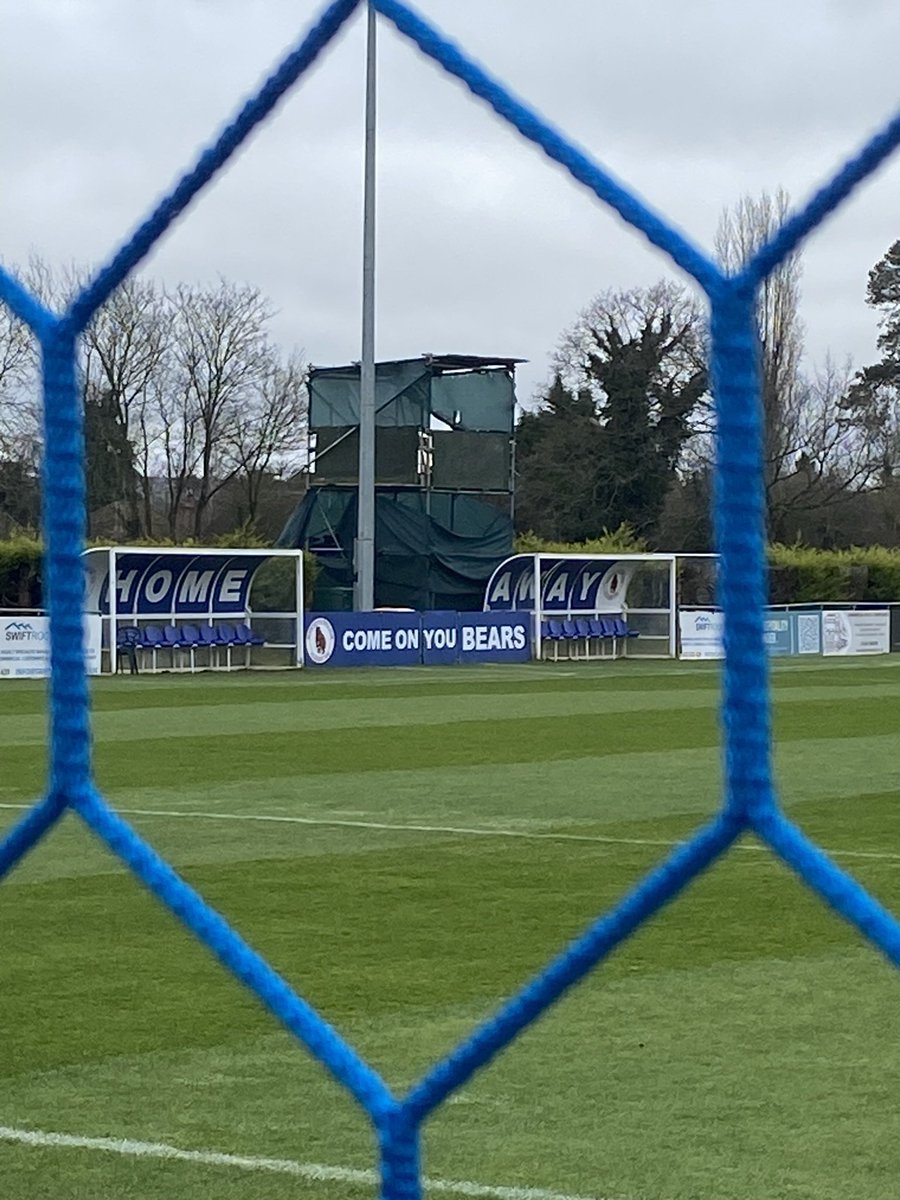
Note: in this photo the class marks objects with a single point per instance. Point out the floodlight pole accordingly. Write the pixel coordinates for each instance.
(364, 556)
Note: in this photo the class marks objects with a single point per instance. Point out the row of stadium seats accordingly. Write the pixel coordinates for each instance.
(174, 638)
(586, 637)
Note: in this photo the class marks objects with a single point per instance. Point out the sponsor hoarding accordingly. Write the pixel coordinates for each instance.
(25, 646)
(701, 634)
(833, 631)
(856, 631)
(397, 639)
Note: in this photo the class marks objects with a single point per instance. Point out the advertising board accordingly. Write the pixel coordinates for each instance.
(700, 633)
(25, 646)
(398, 639)
(856, 631)
(784, 632)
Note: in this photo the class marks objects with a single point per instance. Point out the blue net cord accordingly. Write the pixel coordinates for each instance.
(750, 801)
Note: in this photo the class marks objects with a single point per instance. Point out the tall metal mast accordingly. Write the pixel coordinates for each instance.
(364, 555)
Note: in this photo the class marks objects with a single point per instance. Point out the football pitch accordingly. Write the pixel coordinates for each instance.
(407, 847)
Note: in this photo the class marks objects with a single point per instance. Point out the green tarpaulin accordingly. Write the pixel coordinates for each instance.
(437, 559)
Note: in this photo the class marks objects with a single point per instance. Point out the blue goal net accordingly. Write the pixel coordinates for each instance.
(749, 802)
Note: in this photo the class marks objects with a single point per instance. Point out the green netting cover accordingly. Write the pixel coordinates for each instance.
(401, 395)
(437, 559)
(464, 393)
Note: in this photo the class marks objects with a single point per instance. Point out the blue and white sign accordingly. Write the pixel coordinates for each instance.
(25, 646)
(785, 632)
(700, 633)
(568, 585)
(149, 584)
(395, 639)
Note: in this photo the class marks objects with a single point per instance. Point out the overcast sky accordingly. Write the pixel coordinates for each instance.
(483, 246)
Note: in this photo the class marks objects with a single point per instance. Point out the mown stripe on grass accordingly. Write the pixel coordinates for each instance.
(172, 761)
(244, 719)
(182, 690)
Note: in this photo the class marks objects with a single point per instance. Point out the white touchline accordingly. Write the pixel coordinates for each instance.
(315, 1172)
(462, 830)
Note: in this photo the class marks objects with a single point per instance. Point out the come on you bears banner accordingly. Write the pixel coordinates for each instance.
(25, 646)
(406, 639)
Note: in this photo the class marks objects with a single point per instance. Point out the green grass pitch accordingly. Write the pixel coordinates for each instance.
(407, 847)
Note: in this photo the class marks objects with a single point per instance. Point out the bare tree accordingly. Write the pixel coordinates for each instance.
(268, 434)
(742, 230)
(20, 424)
(221, 359)
(126, 353)
(184, 393)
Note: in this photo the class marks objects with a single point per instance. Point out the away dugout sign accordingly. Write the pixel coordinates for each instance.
(567, 585)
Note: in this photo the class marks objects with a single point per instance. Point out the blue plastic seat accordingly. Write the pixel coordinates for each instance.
(208, 639)
(246, 636)
(552, 631)
(583, 625)
(622, 629)
(189, 636)
(153, 640)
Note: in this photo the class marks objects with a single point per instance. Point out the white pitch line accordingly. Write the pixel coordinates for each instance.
(380, 825)
(453, 830)
(314, 1172)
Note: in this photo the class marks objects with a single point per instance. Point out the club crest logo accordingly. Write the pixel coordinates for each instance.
(319, 640)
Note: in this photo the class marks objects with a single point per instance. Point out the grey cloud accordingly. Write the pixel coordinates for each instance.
(483, 246)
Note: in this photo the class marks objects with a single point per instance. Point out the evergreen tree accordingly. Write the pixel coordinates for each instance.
(604, 447)
(873, 398)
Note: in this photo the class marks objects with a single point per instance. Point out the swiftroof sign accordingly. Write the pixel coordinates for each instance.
(399, 639)
(25, 646)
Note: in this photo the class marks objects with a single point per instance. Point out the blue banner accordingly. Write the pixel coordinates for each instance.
(150, 583)
(568, 585)
(403, 639)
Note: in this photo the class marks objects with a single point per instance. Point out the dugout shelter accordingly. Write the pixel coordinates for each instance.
(206, 590)
(592, 606)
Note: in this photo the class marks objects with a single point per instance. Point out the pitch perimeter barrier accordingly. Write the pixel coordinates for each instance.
(826, 629)
(410, 639)
(750, 802)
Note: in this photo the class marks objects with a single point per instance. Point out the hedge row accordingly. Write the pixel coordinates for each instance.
(797, 574)
(21, 569)
(800, 575)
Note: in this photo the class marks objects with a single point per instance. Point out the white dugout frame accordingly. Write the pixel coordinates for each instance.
(538, 613)
(110, 620)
